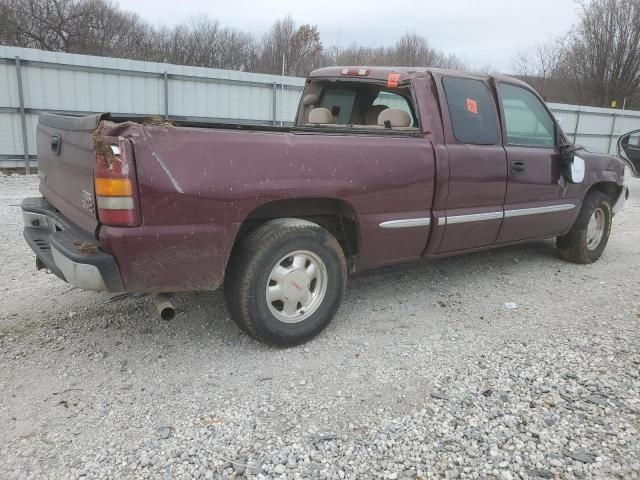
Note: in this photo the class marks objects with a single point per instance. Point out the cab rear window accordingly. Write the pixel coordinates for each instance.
(473, 114)
(339, 101)
(357, 106)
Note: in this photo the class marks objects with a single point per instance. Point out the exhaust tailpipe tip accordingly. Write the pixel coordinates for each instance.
(165, 308)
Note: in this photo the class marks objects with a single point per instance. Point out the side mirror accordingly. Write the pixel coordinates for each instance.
(629, 151)
(573, 167)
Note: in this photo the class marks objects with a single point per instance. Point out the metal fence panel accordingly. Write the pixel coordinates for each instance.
(81, 84)
(10, 134)
(596, 128)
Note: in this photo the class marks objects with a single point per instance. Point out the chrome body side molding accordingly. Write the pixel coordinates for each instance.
(474, 217)
(480, 217)
(406, 223)
(537, 210)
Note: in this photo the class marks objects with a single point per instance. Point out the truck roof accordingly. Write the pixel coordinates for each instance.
(406, 73)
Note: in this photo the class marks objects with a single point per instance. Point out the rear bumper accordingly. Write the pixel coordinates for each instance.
(622, 198)
(67, 251)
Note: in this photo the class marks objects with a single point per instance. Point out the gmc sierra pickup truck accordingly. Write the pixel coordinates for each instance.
(383, 165)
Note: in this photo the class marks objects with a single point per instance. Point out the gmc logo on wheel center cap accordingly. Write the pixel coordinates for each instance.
(296, 285)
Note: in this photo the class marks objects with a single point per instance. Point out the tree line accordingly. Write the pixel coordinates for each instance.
(101, 27)
(596, 62)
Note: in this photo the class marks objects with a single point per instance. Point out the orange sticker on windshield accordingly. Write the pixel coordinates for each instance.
(472, 106)
(393, 79)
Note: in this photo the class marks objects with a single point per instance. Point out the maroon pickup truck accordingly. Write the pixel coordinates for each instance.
(383, 165)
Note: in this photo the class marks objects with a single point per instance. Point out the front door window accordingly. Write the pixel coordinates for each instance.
(527, 121)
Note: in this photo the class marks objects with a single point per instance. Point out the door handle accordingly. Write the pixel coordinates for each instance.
(517, 167)
(56, 142)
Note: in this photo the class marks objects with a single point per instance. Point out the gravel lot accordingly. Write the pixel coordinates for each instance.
(425, 373)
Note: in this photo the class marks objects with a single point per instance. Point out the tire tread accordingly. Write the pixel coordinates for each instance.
(572, 246)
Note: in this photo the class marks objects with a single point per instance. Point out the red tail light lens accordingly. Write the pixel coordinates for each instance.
(115, 185)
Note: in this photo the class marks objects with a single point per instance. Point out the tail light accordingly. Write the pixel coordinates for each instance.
(114, 178)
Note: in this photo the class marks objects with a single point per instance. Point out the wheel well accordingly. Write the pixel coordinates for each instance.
(611, 189)
(335, 216)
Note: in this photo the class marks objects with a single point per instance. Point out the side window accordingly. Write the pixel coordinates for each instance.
(527, 121)
(339, 102)
(472, 112)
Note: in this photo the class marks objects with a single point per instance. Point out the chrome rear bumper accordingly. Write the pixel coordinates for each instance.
(67, 251)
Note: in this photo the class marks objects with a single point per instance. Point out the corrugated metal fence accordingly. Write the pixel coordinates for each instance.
(597, 128)
(33, 81)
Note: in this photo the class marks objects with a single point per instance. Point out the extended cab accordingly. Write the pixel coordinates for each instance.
(383, 165)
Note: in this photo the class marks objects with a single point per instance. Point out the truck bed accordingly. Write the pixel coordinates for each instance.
(197, 183)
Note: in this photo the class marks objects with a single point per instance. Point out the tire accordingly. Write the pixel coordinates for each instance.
(270, 288)
(586, 240)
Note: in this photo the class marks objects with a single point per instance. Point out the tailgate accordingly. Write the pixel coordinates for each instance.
(66, 160)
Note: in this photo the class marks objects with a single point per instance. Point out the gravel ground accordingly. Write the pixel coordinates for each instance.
(424, 373)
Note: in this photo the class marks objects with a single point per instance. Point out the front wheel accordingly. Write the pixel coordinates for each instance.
(588, 237)
(285, 281)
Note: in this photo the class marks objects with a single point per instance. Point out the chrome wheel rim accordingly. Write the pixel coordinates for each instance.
(595, 229)
(296, 286)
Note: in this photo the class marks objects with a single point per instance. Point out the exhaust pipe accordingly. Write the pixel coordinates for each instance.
(164, 306)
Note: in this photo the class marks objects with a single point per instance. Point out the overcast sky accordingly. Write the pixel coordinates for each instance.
(487, 32)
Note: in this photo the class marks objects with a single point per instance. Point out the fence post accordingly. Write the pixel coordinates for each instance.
(165, 76)
(23, 119)
(613, 129)
(575, 134)
(274, 108)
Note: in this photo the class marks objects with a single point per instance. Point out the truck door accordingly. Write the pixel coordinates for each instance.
(536, 204)
(629, 151)
(477, 165)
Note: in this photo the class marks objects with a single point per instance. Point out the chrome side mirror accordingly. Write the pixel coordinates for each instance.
(577, 170)
(573, 166)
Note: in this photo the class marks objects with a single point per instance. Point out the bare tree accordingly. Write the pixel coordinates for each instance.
(300, 47)
(412, 50)
(604, 51)
(305, 53)
(596, 62)
(355, 55)
(100, 27)
(204, 42)
(44, 24)
(542, 61)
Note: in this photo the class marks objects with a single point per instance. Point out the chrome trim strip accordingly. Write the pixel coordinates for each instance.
(477, 217)
(537, 210)
(480, 217)
(409, 222)
(474, 217)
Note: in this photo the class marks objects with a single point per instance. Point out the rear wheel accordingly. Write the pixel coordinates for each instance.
(588, 237)
(285, 281)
